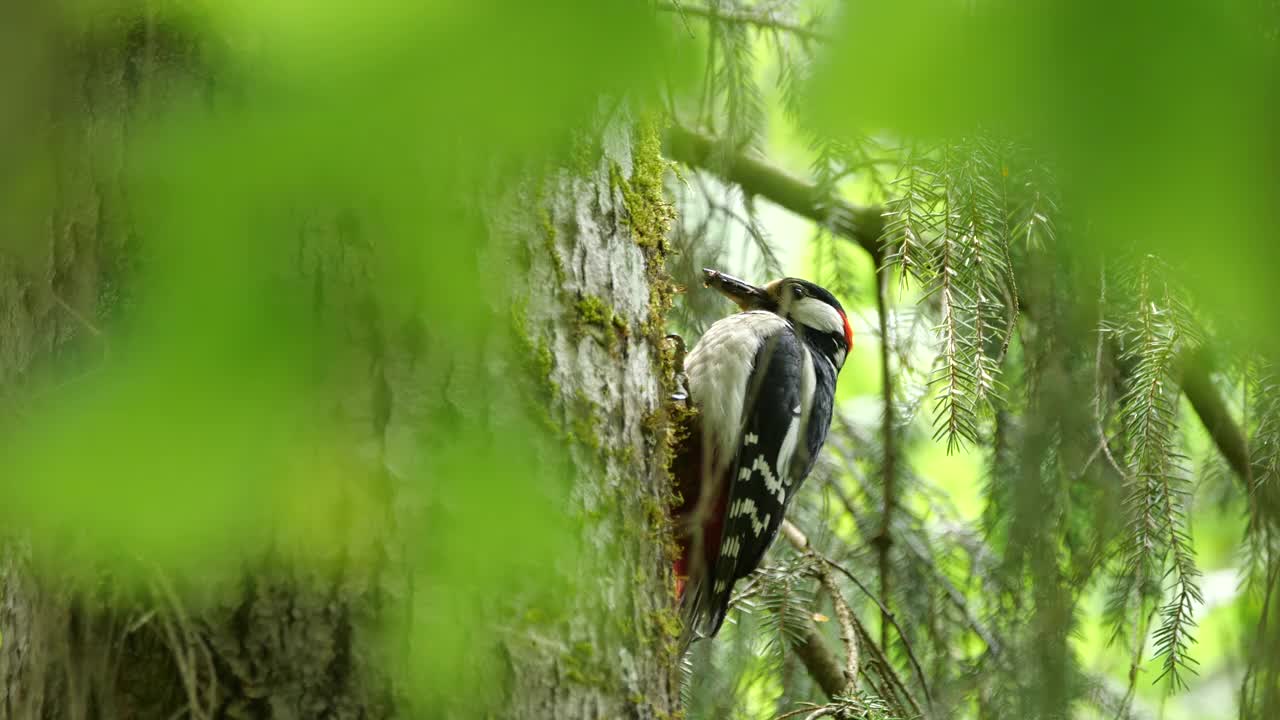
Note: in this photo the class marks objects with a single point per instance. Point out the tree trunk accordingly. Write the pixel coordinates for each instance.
(574, 346)
(596, 300)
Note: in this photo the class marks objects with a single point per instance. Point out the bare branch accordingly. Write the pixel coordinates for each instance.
(861, 224)
(820, 662)
(885, 539)
(848, 635)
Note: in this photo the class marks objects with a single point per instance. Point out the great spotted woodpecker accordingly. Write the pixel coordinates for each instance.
(763, 382)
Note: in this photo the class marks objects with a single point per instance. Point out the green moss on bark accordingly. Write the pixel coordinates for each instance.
(644, 193)
(592, 311)
(537, 353)
(649, 216)
(548, 227)
(606, 325)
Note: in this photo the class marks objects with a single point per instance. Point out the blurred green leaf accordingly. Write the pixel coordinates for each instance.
(1159, 116)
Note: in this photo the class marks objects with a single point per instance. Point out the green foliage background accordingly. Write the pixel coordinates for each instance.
(1077, 219)
(1078, 200)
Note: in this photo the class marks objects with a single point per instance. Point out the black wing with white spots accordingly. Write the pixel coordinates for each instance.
(763, 479)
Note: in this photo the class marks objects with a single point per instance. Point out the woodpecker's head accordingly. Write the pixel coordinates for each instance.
(809, 307)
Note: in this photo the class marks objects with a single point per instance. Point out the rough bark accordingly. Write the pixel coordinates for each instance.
(279, 642)
(578, 340)
(594, 305)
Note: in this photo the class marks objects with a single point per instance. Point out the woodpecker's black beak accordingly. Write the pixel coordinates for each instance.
(741, 292)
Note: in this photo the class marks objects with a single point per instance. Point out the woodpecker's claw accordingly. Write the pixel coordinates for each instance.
(678, 342)
(681, 392)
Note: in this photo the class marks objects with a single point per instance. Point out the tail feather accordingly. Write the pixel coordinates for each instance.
(692, 612)
(702, 610)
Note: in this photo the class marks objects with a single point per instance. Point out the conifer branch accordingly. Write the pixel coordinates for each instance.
(911, 218)
(848, 635)
(1156, 476)
(864, 226)
(825, 565)
(759, 20)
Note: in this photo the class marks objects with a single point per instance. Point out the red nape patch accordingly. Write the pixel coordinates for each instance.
(848, 332)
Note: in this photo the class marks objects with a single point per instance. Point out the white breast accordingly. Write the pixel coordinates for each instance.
(718, 368)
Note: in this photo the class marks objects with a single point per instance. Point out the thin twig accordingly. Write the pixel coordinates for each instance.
(192, 643)
(886, 668)
(743, 18)
(798, 540)
(953, 593)
(808, 707)
(85, 323)
(848, 635)
(887, 430)
(93, 329)
(684, 17)
(1098, 415)
(911, 656)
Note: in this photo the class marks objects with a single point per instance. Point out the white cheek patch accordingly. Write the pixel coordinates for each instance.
(817, 315)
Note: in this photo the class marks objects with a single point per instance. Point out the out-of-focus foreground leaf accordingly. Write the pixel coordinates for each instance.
(1159, 116)
(324, 158)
